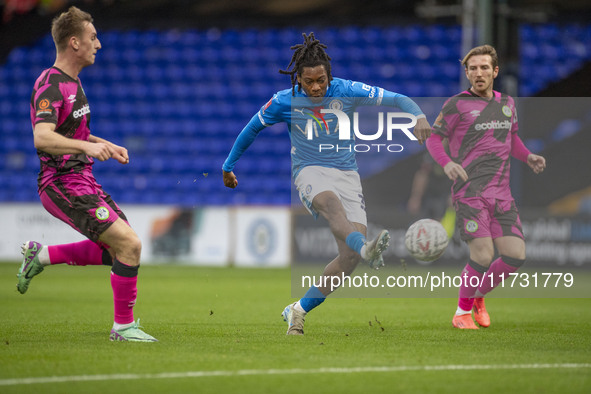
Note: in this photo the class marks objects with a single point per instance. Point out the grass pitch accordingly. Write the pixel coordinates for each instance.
(220, 331)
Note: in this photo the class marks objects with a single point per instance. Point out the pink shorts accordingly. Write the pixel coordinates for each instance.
(80, 201)
(479, 217)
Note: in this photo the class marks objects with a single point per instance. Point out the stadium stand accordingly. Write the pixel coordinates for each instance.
(178, 98)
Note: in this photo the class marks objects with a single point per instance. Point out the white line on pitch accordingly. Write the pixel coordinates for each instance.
(293, 371)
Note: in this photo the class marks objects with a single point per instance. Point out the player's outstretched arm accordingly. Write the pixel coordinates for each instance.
(243, 141)
(422, 129)
(230, 179)
(536, 162)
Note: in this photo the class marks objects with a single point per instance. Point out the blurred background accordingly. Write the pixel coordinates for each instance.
(176, 81)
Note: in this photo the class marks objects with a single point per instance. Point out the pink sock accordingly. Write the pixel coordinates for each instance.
(124, 292)
(470, 280)
(497, 272)
(77, 253)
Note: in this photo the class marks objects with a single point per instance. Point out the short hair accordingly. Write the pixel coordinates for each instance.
(482, 50)
(309, 54)
(68, 24)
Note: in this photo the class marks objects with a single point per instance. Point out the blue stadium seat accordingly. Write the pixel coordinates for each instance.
(565, 129)
(177, 99)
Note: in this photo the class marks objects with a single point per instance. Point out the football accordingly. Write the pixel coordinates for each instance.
(426, 240)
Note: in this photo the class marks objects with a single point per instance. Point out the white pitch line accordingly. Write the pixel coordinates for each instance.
(293, 371)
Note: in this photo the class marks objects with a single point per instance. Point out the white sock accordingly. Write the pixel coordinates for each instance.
(363, 251)
(460, 312)
(43, 256)
(118, 327)
(298, 307)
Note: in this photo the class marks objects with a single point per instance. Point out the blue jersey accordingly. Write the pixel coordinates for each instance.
(309, 128)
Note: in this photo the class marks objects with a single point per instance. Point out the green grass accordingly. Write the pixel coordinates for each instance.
(228, 320)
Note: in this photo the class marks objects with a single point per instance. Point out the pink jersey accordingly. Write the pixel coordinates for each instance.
(480, 133)
(57, 98)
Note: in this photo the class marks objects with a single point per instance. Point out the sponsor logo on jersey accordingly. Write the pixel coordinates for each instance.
(44, 104)
(43, 108)
(81, 112)
(370, 89)
(72, 98)
(494, 125)
(439, 121)
(267, 105)
(475, 113)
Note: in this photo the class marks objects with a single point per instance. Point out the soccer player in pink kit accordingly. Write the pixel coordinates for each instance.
(481, 126)
(60, 115)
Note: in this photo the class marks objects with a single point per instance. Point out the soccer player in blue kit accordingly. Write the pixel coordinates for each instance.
(327, 180)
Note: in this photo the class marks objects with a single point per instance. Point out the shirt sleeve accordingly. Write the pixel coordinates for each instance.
(436, 149)
(271, 112)
(514, 121)
(243, 141)
(403, 102)
(47, 102)
(374, 95)
(518, 148)
(447, 120)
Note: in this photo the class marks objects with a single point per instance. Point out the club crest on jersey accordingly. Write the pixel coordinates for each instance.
(471, 226)
(102, 213)
(336, 104)
(507, 111)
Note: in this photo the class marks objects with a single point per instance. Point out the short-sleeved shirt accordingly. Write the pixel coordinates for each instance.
(59, 99)
(480, 132)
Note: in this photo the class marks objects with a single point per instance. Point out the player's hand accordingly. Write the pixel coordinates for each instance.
(230, 179)
(120, 154)
(453, 170)
(98, 150)
(536, 163)
(422, 130)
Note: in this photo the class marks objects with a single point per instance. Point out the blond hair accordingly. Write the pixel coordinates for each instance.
(68, 24)
(482, 50)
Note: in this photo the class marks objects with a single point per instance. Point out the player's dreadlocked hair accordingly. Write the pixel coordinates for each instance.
(309, 54)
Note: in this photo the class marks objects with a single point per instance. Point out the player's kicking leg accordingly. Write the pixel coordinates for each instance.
(372, 253)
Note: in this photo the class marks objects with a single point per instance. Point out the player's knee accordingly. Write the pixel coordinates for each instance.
(129, 246)
(328, 204)
(134, 246)
(482, 256)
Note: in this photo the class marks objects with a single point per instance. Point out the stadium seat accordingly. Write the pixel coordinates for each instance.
(177, 99)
